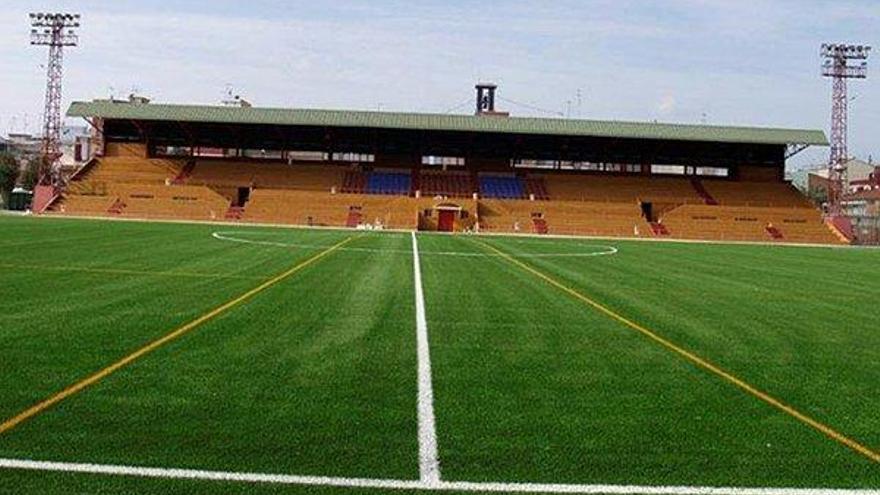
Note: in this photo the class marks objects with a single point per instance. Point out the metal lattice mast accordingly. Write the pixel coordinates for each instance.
(55, 31)
(837, 66)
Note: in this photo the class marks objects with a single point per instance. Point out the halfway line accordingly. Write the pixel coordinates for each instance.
(429, 462)
(96, 377)
(697, 360)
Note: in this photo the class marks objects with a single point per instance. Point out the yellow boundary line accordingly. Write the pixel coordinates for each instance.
(697, 360)
(96, 377)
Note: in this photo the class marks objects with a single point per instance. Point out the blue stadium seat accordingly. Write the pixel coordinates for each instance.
(501, 187)
(388, 183)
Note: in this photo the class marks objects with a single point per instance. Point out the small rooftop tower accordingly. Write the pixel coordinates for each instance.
(486, 98)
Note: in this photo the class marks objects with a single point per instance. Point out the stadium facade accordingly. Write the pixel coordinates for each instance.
(487, 172)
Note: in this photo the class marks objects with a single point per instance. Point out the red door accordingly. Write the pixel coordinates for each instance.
(445, 220)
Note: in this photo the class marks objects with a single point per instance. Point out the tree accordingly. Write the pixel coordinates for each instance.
(9, 171)
(31, 173)
(818, 195)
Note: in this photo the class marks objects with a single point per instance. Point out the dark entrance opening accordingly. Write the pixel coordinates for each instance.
(244, 194)
(648, 211)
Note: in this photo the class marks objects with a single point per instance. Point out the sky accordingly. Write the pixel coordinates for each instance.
(735, 62)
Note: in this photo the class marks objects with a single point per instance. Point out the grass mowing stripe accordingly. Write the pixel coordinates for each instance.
(429, 463)
(124, 271)
(697, 360)
(392, 484)
(94, 378)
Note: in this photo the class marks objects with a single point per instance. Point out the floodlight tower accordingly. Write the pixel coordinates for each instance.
(55, 30)
(842, 62)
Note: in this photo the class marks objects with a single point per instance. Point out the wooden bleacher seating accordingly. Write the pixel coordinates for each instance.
(732, 193)
(564, 217)
(748, 223)
(325, 209)
(128, 185)
(628, 189)
(263, 175)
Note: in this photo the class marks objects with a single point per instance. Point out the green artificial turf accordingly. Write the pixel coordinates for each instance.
(534, 385)
(316, 375)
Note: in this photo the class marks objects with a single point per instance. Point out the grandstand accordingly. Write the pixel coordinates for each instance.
(443, 172)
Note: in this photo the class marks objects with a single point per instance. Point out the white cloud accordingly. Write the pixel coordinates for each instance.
(666, 104)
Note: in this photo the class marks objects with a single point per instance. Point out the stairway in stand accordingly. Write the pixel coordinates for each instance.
(539, 225)
(44, 197)
(658, 229)
(354, 182)
(184, 174)
(234, 212)
(841, 227)
(774, 232)
(117, 207)
(535, 187)
(701, 190)
(354, 216)
(415, 179)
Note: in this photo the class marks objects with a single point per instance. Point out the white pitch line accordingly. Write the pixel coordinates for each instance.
(391, 484)
(198, 474)
(603, 250)
(429, 462)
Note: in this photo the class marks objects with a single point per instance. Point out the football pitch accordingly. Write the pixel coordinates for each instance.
(192, 358)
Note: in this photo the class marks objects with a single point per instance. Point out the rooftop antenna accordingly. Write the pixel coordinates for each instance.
(579, 97)
(234, 100)
(55, 30)
(841, 62)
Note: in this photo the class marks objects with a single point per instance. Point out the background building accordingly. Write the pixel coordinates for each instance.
(858, 172)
